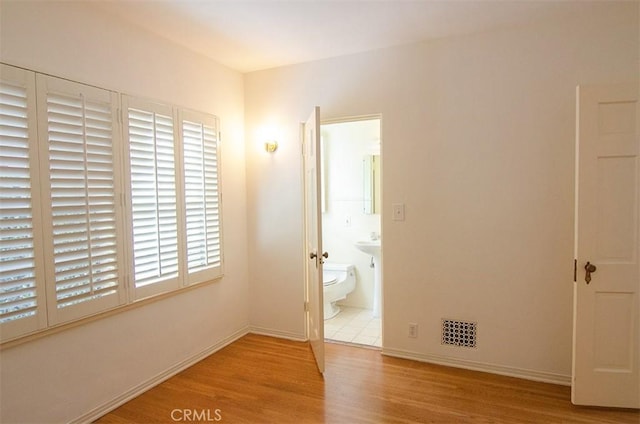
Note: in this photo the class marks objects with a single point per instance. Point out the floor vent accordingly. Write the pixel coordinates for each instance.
(458, 333)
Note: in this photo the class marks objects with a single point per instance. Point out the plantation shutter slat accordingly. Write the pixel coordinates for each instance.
(81, 147)
(153, 197)
(22, 302)
(202, 196)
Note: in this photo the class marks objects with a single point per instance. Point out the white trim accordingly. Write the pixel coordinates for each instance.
(541, 376)
(278, 334)
(346, 119)
(135, 391)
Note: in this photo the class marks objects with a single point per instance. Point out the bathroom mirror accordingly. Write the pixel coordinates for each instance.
(371, 184)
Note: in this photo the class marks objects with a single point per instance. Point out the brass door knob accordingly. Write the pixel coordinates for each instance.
(589, 268)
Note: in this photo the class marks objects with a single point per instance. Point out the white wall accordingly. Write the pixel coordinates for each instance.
(64, 376)
(344, 222)
(478, 142)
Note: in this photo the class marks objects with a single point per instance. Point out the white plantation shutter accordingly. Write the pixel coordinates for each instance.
(153, 196)
(79, 139)
(22, 297)
(202, 196)
(63, 167)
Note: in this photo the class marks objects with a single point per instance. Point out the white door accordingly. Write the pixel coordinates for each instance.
(313, 235)
(606, 333)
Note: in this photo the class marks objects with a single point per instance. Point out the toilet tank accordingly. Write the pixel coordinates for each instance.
(340, 270)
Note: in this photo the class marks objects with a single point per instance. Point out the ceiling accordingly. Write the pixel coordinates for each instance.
(260, 34)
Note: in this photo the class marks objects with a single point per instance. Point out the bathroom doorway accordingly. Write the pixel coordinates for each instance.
(351, 229)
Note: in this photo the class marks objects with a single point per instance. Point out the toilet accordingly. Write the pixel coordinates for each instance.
(338, 280)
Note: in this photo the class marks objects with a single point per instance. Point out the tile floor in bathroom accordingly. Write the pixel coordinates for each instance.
(354, 325)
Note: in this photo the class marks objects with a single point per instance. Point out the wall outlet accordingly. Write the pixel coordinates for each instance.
(413, 330)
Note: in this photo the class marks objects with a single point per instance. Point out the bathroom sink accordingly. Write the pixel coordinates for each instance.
(370, 247)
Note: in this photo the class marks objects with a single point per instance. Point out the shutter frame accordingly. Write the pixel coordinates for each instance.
(22, 142)
(140, 128)
(199, 130)
(79, 150)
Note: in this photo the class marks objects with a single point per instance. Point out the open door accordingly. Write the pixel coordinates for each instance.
(606, 332)
(313, 235)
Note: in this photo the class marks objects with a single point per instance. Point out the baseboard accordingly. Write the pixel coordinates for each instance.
(154, 381)
(277, 333)
(542, 376)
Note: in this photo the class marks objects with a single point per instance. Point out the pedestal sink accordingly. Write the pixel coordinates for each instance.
(373, 249)
(370, 247)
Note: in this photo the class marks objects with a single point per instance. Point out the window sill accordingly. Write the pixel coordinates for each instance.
(106, 314)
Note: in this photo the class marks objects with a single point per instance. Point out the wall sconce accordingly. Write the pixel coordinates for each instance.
(271, 146)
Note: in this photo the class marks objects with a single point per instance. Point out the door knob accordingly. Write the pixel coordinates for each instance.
(314, 255)
(325, 255)
(589, 268)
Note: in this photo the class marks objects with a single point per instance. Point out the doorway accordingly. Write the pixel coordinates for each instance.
(351, 216)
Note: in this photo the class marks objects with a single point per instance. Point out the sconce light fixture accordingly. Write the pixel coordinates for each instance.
(271, 146)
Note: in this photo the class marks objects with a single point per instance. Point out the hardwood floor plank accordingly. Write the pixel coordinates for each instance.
(261, 379)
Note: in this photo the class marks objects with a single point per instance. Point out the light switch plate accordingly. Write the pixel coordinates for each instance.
(398, 212)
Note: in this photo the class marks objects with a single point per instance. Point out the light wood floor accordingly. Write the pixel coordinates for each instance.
(260, 379)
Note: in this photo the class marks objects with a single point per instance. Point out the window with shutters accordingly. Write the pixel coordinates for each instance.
(202, 195)
(174, 196)
(22, 298)
(153, 196)
(79, 145)
(60, 220)
(89, 223)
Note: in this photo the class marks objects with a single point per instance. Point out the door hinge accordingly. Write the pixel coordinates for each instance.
(306, 306)
(575, 270)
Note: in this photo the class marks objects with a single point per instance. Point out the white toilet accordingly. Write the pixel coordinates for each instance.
(339, 280)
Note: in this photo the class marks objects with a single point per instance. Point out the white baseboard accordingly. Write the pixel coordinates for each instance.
(277, 333)
(154, 381)
(542, 376)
